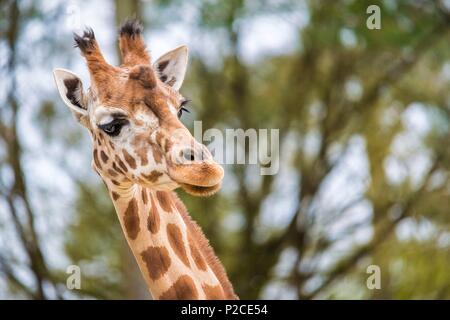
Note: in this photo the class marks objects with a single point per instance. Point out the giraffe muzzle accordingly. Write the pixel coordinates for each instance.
(195, 170)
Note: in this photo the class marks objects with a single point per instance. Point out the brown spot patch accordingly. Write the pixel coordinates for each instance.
(112, 173)
(176, 241)
(157, 155)
(140, 145)
(153, 176)
(168, 145)
(103, 156)
(143, 156)
(157, 261)
(182, 289)
(114, 195)
(144, 195)
(213, 292)
(129, 159)
(96, 161)
(153, 220)
(164, 200)
(121, 164)
(115, 167)
(196, 254)
(131, 219)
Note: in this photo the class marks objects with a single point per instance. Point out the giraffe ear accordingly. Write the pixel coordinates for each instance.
(71, 91)
(171, 67)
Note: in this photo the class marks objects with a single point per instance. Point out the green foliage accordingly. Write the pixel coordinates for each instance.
(95, 241)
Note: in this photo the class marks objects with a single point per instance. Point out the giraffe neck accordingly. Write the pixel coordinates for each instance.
(172, 253)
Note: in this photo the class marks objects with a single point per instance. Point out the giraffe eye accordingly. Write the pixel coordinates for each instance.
(113, 128)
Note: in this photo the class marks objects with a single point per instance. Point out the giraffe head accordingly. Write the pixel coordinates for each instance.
(132, 112)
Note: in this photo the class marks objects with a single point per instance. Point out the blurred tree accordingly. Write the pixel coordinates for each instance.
(14, 193)
(342, 87)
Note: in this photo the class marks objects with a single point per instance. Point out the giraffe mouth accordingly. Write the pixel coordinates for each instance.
(201, 179)
(200, 190)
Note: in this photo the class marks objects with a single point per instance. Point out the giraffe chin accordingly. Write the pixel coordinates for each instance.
(200, 191)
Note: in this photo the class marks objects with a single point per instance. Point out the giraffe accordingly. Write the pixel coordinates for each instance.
(143, 152)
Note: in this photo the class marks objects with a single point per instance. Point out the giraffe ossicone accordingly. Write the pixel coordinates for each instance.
(142, 152)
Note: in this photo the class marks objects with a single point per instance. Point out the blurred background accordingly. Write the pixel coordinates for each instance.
(364, 121)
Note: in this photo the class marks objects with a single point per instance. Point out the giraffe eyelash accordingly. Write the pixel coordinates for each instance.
(182, 107)
(180, 112)
(185, 102)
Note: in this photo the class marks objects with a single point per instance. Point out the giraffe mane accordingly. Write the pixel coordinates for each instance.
(208, 252)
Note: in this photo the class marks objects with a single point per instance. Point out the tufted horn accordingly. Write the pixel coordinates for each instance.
(132, 45)
(99, 69)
